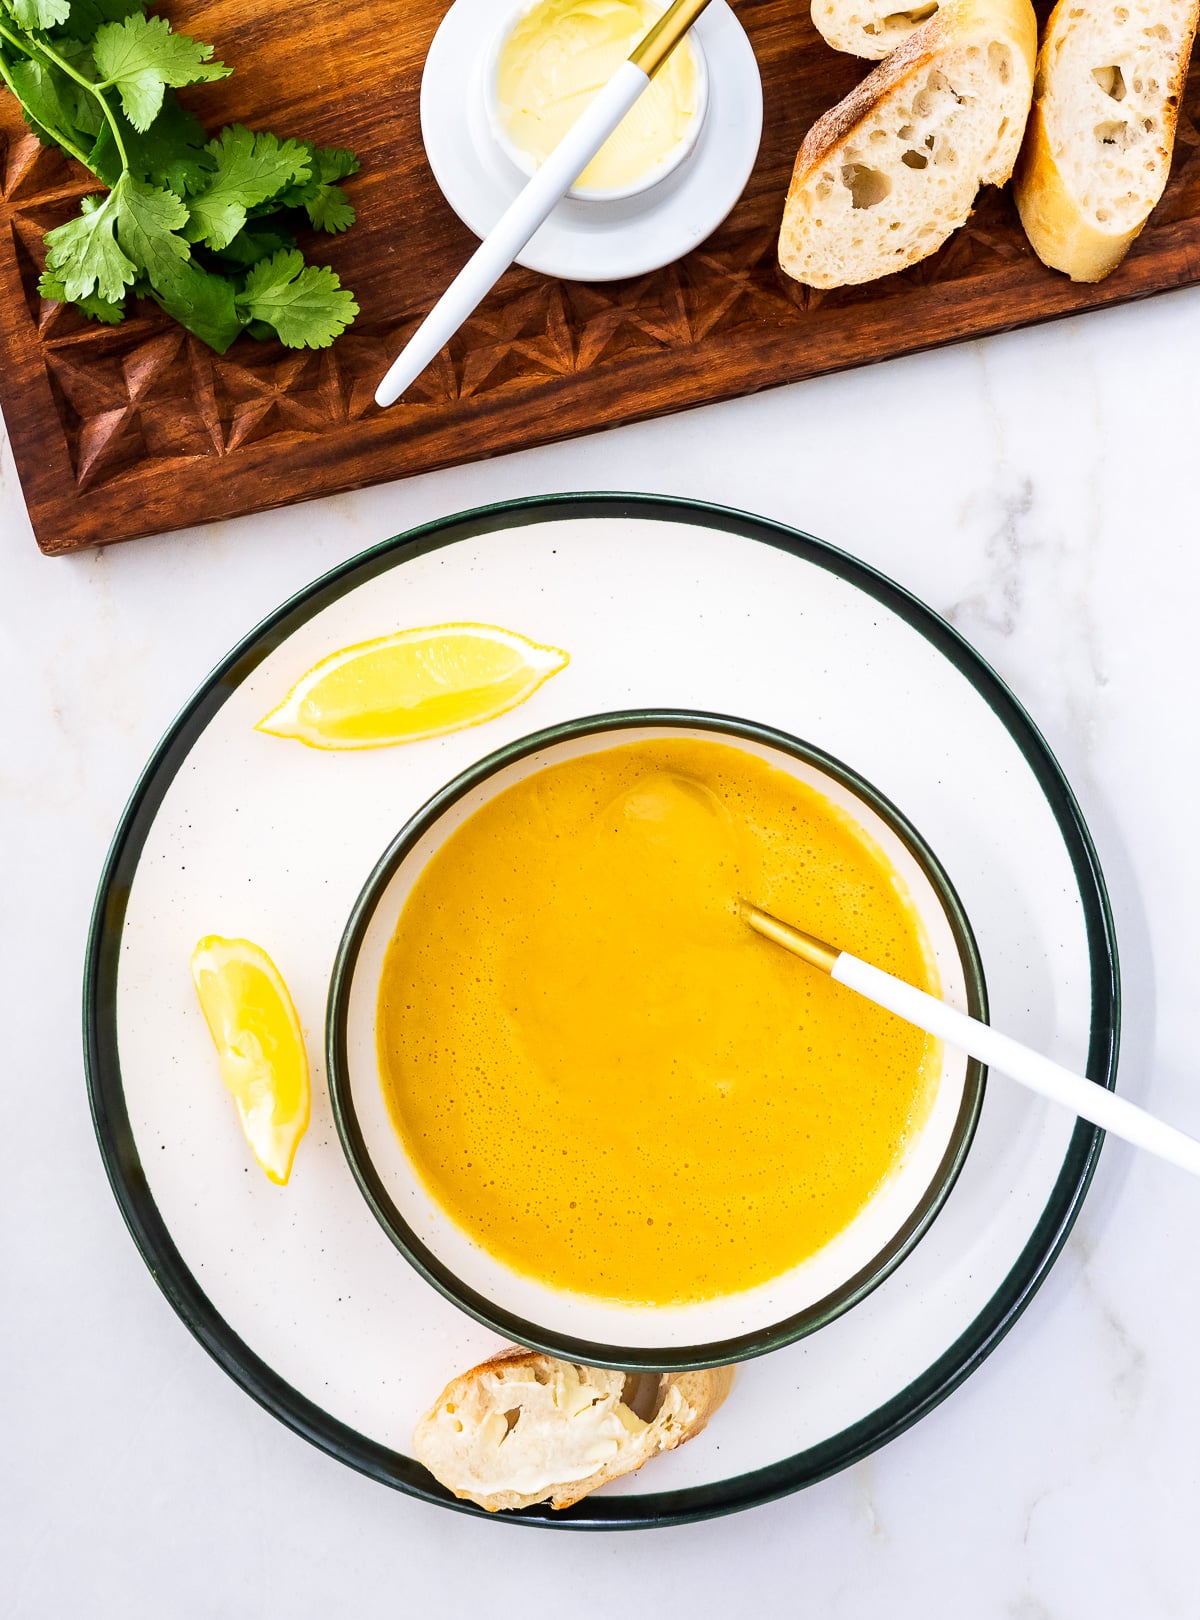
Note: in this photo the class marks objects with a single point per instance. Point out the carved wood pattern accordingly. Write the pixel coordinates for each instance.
(130, 430)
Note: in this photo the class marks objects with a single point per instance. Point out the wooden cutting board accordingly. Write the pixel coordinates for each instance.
(135, 429)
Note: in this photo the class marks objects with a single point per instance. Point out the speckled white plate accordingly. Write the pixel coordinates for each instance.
(297, 1292)
(591, 240)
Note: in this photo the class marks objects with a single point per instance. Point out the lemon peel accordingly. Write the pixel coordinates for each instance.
(412, 685)
(253, 1023)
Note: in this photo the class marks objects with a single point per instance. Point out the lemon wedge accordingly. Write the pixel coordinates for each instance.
(253, 1023)
(415, 684)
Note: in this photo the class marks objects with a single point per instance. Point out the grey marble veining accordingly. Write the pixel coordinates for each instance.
(1038, 489)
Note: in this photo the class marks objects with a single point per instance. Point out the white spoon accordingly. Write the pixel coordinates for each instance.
(533, 204)
(1041, 1074)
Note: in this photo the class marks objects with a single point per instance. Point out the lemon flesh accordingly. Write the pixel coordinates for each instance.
(254, 1027)
(415, 684)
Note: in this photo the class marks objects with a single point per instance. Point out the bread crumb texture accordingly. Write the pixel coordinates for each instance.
(525, 1428)
(871, 28)
(1110, 77)
(885, 177)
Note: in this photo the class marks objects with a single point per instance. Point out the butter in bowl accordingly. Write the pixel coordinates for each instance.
(600, 156)
(550, 58)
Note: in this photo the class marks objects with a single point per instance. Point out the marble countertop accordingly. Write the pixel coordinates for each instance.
(1034, 489)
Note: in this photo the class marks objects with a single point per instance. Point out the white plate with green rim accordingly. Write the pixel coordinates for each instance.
(662, 604)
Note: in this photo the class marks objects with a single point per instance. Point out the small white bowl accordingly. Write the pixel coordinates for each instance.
(582, 1328)
(587, 240)
(527, 164)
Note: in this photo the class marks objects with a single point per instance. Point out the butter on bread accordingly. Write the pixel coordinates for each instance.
(525, 1427)
(1098, 147)
(886, 176)
(871, 28)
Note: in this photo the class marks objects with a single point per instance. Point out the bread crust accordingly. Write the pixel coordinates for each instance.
(1059, 229)
(835, 126)
(830, 19)
(1012, 20)
(1007, 21)
(445, 1441)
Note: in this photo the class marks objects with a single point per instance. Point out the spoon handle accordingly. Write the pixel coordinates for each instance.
(528, 210)
(1041, 1074)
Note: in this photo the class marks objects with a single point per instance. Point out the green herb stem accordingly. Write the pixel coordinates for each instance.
(41, 48)
(202, 228)
(67, 145)
(95, 90)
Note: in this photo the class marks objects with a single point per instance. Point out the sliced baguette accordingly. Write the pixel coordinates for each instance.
(1098, 147)
(884, 178)
(871, 28)
(524, 1428)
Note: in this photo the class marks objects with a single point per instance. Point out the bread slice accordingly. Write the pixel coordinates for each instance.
(524, 1428)
(884, 177)
(1098, 147)
(871, 28)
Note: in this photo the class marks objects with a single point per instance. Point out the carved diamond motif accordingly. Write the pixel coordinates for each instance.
(259, 395)
(125, 405)
(150, 416)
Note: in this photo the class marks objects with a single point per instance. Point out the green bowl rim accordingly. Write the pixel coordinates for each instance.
(518, 1328)
(147, 1228)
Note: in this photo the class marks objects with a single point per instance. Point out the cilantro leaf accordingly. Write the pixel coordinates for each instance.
(49, 286)
(51, 101)
(325, 203)
(334, 162)
(132, 230)
(99, 309)
(248, 247)
(98, 78)
(87, 15)
(86, 110)
(39, 13)
(330, 209)
(327, 206)
(57, 106)
(247, 169)
(204, 303)
(147, 220)
(140, 56)
(83, 255)
(170, 153)
(307, 305)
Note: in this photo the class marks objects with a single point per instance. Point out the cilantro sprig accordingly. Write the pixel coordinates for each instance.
(204, 228)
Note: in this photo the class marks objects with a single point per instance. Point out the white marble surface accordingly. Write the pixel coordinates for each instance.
(1038, 489)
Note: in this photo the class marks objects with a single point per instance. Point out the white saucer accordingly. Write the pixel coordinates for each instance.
(297, 1291)
(592, 241)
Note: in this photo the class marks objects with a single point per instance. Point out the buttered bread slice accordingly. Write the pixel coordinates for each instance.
(1098, 148)
(884, 178)
(524, 1428)
(871, 28)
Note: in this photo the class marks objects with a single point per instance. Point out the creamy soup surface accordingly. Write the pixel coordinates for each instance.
(602, 1074)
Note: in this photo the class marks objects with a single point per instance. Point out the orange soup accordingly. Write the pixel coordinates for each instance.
(601, 1073)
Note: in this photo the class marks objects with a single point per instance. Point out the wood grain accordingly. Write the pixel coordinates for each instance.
(131, 430)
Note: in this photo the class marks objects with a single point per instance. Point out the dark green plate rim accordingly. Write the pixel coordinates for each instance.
(435, 1271)
(127, 1177)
